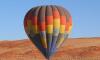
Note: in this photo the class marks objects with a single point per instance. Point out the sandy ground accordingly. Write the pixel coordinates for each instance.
(72, 49)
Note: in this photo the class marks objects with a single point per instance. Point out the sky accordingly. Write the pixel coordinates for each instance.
(85, 15)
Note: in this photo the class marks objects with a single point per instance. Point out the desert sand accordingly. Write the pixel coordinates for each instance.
(71, 49)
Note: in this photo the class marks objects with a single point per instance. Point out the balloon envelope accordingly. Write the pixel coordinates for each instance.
(48, 27)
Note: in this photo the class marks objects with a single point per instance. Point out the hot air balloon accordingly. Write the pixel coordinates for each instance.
(48, 27)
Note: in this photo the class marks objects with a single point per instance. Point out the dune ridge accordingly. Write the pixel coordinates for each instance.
(71, 49)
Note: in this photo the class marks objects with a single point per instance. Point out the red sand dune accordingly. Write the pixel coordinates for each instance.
(72, 49)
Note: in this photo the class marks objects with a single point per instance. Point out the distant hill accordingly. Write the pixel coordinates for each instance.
(71, 49)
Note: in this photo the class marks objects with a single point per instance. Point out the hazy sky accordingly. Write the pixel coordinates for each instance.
(85, 15)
